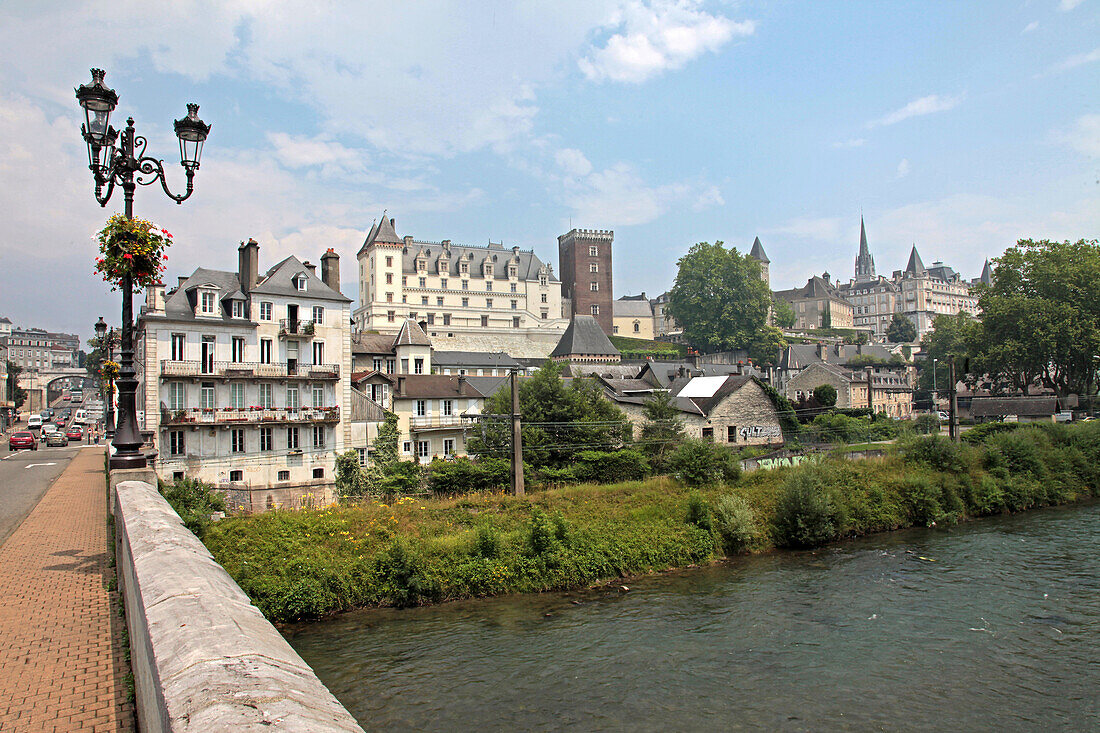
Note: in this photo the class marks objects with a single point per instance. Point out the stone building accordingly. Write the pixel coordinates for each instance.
(634, 317)
(818, 304)
(584, 258)
(891, 393)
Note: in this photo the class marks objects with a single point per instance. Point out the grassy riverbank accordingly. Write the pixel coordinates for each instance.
(412, 550)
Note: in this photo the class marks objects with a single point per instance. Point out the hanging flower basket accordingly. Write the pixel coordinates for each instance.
(133, 247)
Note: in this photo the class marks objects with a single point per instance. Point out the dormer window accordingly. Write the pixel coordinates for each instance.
(487, 270)
(421, 265)
(444, 265)
(300, 282)
(463, 267)
(207, 302)
(513, 271)
(238, 309)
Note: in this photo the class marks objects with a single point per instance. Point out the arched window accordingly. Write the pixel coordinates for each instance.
(637, 326)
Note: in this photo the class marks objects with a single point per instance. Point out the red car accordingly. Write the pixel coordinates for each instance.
(74, 433)
(59, 422)
(22, 439)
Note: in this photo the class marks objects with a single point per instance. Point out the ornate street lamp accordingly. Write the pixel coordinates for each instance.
(122, 162)
(106, 340)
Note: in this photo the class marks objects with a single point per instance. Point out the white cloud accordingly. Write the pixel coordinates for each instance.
(619, 196)
(924, 106)
(903, 168)
(1083, 136)
(707, 198)
(1033, 25)
(573, 162)
(665, 34)
(1076, 60)
(855, 142)
(825, 229)
(1067, 5)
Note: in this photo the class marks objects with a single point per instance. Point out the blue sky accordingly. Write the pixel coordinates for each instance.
(957, 127)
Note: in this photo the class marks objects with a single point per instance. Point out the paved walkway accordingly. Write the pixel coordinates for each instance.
(61, 666)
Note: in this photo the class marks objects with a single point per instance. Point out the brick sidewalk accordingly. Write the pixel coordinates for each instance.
(61, 666)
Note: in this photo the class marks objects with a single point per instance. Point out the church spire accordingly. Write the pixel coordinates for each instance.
(865, 263)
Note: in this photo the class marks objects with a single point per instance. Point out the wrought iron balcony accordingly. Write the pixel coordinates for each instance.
(292, 327)
(249, 415)
(239, 369)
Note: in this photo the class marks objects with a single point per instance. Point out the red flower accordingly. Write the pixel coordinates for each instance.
(127, 256)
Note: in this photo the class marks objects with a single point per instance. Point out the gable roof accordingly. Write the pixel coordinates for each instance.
(584, 336)
(371, 343)
(627, 307)
(706, 392)
(757, 251)
(799, 356)
(411, 334)
(279, 280)
(473, 359)
(381, 232)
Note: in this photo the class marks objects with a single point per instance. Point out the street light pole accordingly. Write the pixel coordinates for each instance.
(118, 167)
(935, 392)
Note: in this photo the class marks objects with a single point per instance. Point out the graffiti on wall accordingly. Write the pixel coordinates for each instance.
(787, 462)
(760, 431)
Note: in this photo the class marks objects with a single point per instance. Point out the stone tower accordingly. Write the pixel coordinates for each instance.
(865, 263)
(584, 259)
(757, 253)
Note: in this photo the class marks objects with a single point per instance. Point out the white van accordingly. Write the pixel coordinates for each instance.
(80, 417)
(34, 422)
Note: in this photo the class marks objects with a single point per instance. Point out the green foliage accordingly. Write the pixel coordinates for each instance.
(400, 478)
(901, 330)
(928, 424)
(16, 394)
(952, 337)
(604, 467)
(463, 476)
(487, 544)
(402, 573)
(194, 501)
(350, 478)
(541, 535)
(825, 394)
(719, 298)
(699, 463)
(806, 514)
(934, 451)
(736, 524)
(788, 419)
(782, 314)
(699, 513)
(1019, 451)
(663, 430)
(384, 451)
(637, 347)
(978, 434)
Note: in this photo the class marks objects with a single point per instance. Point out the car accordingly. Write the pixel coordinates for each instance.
(22, 439)
(34, 422)
(56, 438)
(59, 422)
(74, 433)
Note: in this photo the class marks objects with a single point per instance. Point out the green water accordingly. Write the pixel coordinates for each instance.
(999, 628)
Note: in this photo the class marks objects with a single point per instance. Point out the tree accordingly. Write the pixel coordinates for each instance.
(825, 394)
(827, 316)
(719, 298)
(951, 336)
(558, 420)
(1041, 317)
(782, 313)
(350, 478)
(663, 430)
(901, 330)
(17, 394)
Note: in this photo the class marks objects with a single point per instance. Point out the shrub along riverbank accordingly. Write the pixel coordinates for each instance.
(415, 550)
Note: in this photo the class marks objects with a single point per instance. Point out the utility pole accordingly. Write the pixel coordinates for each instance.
(517, 441)
(869, 371)
(953, 415)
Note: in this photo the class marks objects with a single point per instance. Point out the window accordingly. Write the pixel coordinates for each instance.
(266, 400)
(265, 351)
(594, 287)
(238, 349)
(545, 315)
(593, 251)
(418, 366)
(404, 366)
(319, 315)
(238, 309)
(406, 447)
(284, 475)
(465, 302)
(292, 397)
(423, 448)
(318, 473)
(266, 310)
(448, 446)
(236, 475)
(543, 280)
(390, 316)
(236, 395)
(236, 437)
(465, 284)
(708, 434)
(731, 433)
(300, 282)
(423, 300)
(544, 297)
(446, 319)
(439, 301)
(421, 408)
(515, 321)
(488, 285)
(292, 438)
(177, 347)
(637, 327)
(175, 395)
(512, 271)
(389, 261)
(443, 283)
(207, 303)
(318, 395)
(485, 321)
(513, 287)
(423, 281)
(463, 267)
(594, 267)
(175, 442)
(266, 441)
(389, 278)
(362, 453)
(595, 310)
(389, 297)
(318, 436)
(488, 302)
(207, 396)
(318, 352)
(391, 366)
(515, 304)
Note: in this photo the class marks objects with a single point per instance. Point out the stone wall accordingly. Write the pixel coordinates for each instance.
(203, 657)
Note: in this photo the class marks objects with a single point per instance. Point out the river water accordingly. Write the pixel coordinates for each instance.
(989, 625)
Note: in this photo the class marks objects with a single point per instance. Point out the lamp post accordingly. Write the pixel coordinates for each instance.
(107, 341)
(935, 392)
(122, 162)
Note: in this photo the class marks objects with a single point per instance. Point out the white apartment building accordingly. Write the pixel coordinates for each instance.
(454, 290)
(245, 378)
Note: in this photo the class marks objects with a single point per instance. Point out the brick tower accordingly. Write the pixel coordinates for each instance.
(584, 261)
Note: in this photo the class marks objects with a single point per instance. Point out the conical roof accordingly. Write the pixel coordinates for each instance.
(411, 334)
(915, 266)
(757, 252)
(382, 232)
(987, 274)
(584, 336)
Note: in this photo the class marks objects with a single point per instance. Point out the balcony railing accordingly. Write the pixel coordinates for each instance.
(425, 422)
(249, 415)
(291, 327)
(229, 369)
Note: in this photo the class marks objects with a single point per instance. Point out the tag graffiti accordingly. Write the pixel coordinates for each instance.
(760, 431)
(770, 463)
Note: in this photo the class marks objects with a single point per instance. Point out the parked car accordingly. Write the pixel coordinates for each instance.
(56, 439)
(74, 433)
(22, 439)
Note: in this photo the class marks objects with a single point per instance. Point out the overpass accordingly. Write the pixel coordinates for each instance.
(38, 382)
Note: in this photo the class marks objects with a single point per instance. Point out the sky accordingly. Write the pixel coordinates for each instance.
(955, 127)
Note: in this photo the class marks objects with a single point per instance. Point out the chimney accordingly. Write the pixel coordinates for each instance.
(330, 269)
(182, 280)
(821, 351)
(248, 265)
(407, 239)
(836, 349)
(311, 267)
(462, 384)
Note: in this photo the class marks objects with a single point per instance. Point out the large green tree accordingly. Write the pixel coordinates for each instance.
(901, 330)
(558, 420)
(951, 336)
(1041, 317)
(782, 314)
(663, 430)
(721, 301)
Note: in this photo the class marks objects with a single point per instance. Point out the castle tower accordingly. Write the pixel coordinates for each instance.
(584, 259)
(865, 263)
(380, 284)
(757, 253)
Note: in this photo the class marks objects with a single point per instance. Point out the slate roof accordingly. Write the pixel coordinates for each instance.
(632, 307)
(1019, 406)
(664, 373)
(381, 232)
(411, 334)
(607, 371)
(279, 281)
(915, 267)
(705, 404)
(180, 305)
(5, 319)
(987, 274)
(757, 252)
(800, 356)
(422, 386)
(371, 343)
(584, 336)
(815, 287)
(466, 359)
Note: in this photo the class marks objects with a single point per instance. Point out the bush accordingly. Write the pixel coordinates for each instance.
(402, 572)
(699, 463)
(806, 514)
(928, 424)
(698, 512)
(605, 467)
(1019, 451)
(922, 500)
(194, 501)
(541, 537)
(934, 451)
(549, 476)
(400, 477)
(487, 542)
(979, 433)
(736, 524)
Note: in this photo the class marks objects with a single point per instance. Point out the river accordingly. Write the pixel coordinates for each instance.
(989, 625)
